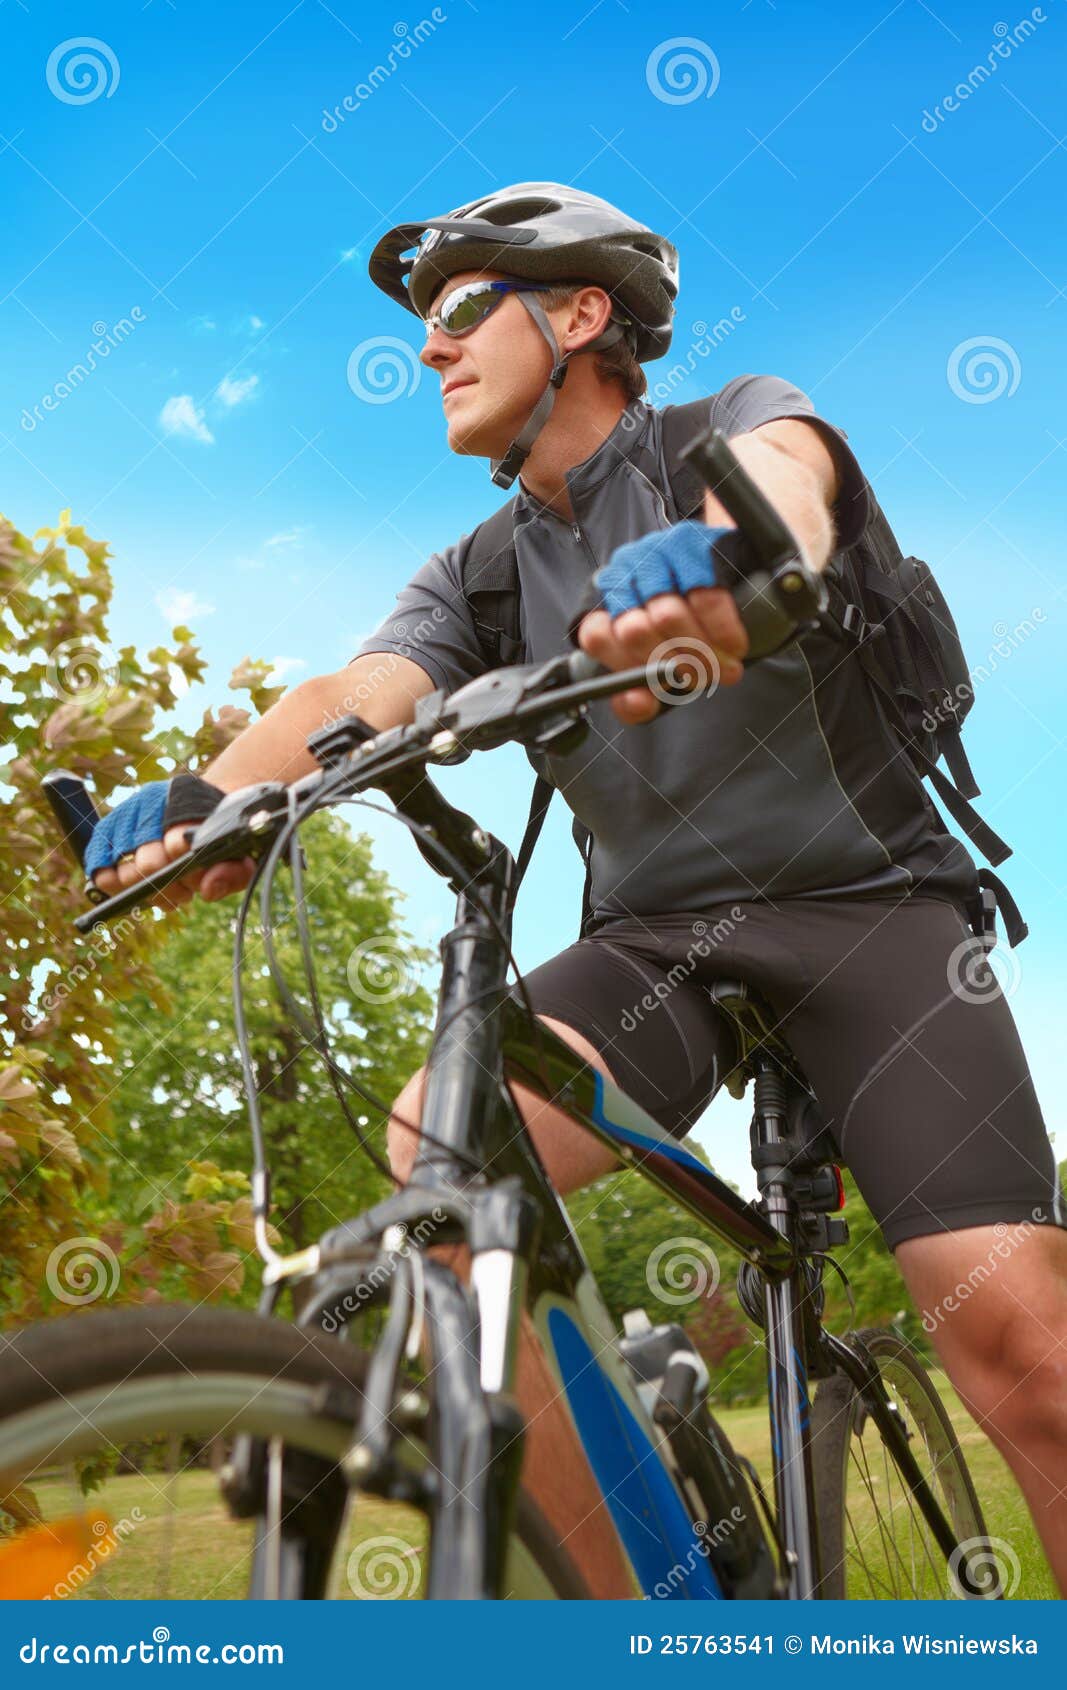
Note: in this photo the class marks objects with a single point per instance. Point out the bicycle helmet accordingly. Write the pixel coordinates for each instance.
(542, 232)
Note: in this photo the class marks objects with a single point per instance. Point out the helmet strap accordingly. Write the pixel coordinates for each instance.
(504, 470)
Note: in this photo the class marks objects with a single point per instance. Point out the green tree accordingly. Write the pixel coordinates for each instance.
(179, 1100)
(69, 697)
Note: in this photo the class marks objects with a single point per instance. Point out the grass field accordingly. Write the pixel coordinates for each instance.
(184, 1544)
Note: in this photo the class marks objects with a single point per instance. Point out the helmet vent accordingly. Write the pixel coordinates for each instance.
(519, 211)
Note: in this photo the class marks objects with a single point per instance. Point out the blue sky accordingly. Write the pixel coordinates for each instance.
(870, 237)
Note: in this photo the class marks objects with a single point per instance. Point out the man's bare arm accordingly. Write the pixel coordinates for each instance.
(380, 687)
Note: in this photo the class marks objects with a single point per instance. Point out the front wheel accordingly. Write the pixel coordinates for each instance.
(118, 1428)
(874, 1540)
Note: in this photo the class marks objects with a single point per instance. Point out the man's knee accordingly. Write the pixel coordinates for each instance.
(571, 1155)
(402, 1138)
(995, 1308)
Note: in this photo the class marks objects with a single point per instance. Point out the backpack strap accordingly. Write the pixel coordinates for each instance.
(981, 835)
(680, 424)
(490, 574)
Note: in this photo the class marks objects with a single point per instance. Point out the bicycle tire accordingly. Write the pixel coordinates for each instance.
(838, 1418)
(72, 1385)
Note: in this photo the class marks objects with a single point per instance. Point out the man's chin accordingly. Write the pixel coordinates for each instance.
(467, 440)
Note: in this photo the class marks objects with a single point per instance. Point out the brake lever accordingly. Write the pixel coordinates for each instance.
(242, 825)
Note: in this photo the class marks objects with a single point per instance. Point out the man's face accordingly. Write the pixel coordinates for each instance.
(493, 377)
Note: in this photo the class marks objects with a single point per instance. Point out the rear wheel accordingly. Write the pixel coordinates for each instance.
(874, 1540)
(117, 1430)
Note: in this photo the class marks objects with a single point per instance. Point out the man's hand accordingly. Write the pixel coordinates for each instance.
(218, 881)
(659, 601)
(147, 831)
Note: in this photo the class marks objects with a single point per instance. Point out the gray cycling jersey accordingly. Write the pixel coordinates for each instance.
(783, 785)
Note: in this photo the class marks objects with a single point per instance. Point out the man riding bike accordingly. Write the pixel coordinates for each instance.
(778, 813)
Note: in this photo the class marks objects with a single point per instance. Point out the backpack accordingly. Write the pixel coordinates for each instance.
(885, 608)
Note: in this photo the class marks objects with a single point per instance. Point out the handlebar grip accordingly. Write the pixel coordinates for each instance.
(73, 809)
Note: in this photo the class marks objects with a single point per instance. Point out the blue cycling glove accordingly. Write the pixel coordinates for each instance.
(146, 815)
(672, 560)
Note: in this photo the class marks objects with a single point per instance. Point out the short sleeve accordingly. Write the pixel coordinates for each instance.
(431, 625)
(749, 401)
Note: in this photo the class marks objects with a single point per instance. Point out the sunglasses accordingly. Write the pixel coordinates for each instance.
(467, 307)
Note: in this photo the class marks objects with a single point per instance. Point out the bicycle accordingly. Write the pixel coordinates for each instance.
(411, 1404)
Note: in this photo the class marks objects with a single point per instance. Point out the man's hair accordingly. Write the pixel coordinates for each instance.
(616, 363)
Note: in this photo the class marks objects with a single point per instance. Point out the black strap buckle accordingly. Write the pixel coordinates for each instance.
(984, 918)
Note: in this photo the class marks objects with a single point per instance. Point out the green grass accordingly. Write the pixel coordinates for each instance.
(1006, 1515)
(186, 1545)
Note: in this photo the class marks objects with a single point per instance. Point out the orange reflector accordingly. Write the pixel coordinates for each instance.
(54, 1559)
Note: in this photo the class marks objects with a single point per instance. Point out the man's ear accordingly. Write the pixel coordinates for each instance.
(590, 313)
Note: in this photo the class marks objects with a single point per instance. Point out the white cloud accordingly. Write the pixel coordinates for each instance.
(291, 537)
(283, 666)
(235, 390)
(256, 323)
(181, 607)
(181, 415)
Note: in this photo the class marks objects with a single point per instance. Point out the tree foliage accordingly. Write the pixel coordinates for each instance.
(69, 698)
(179, 1074)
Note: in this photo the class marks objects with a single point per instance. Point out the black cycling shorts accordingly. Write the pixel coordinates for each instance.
(914, 1057)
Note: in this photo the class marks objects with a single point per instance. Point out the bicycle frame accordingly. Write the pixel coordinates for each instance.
(525, 1257)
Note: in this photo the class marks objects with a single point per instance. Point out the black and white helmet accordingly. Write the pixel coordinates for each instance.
(539, 232)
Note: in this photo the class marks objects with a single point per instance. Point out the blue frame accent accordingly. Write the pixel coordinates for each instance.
(645, 1506)
(674, 1152)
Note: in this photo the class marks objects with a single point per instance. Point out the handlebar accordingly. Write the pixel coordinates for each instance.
(542, 705)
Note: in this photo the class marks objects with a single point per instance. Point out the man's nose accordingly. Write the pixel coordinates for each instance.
(439, 350)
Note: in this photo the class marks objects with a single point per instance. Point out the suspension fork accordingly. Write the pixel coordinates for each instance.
(784, 1321)
(464, 1072)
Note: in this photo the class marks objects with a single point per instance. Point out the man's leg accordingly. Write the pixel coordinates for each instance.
(555, 1470)
(994, 1301)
